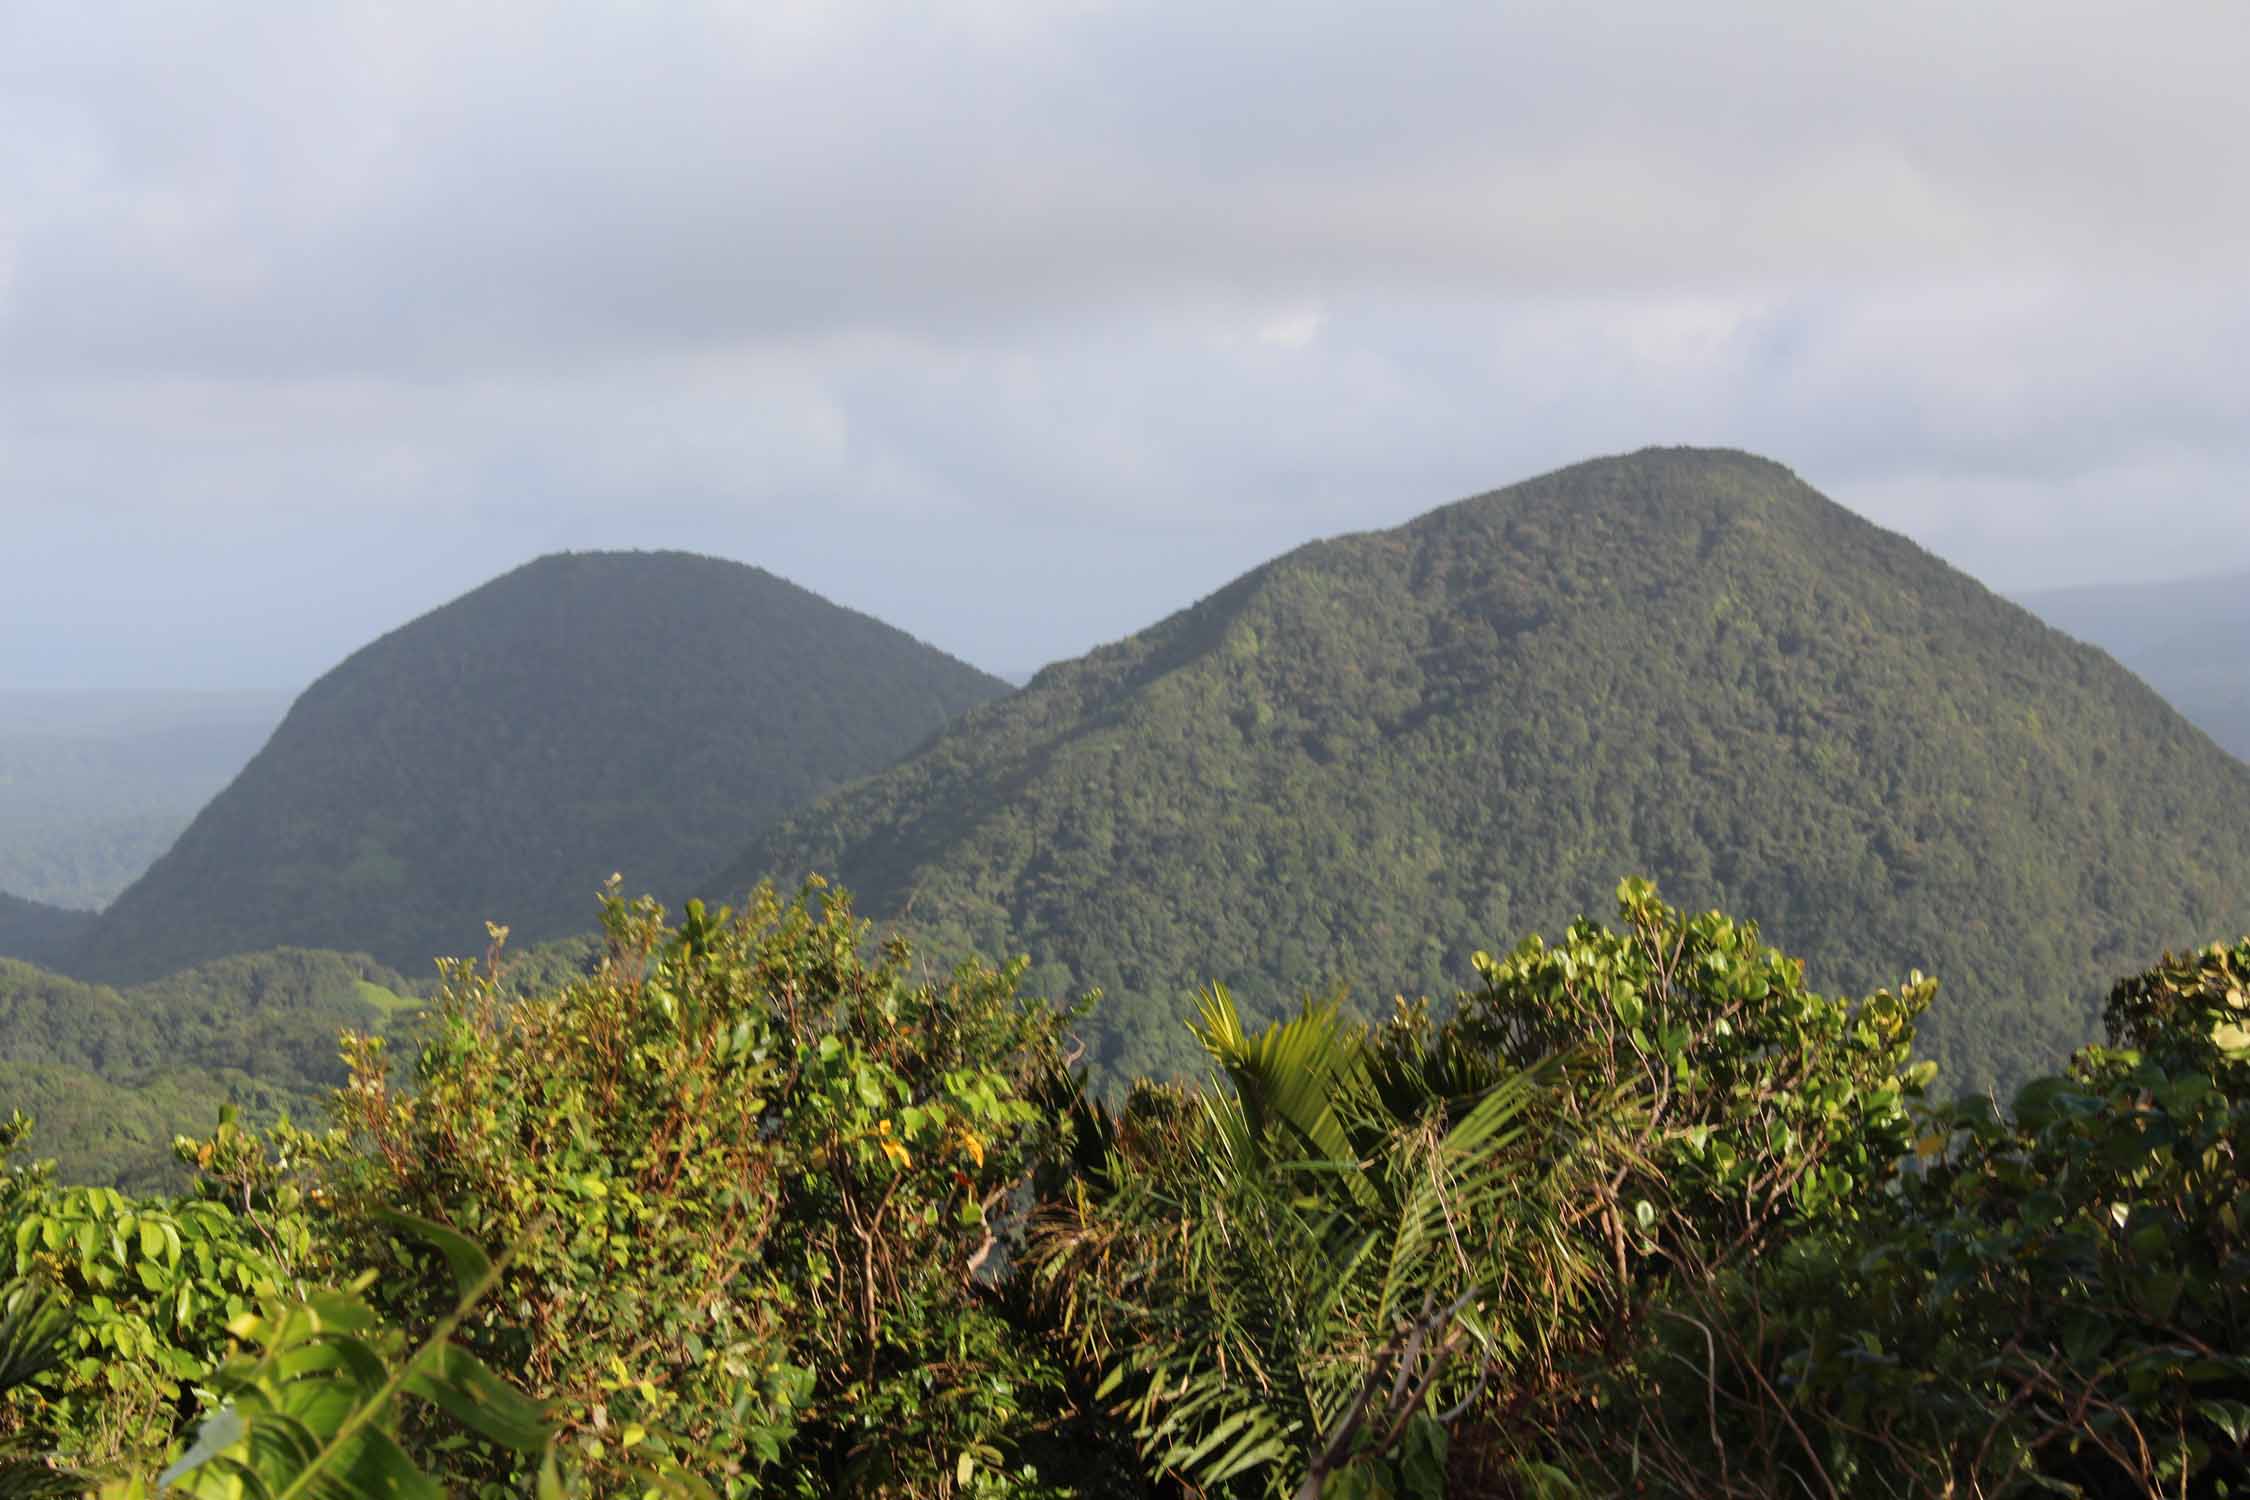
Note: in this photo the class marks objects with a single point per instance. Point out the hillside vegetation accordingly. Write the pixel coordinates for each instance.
(500, 757)
(114, 1076)
(756, 1208)
(2189, 638)
(1360, 760)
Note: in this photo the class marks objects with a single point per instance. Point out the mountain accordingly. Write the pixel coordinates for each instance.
(1377, 754)
(2188, 638)
(112, 1077)
(94, 786)
(38, 932)
(499, 757)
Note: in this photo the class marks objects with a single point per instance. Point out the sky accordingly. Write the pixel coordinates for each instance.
(1020, 325)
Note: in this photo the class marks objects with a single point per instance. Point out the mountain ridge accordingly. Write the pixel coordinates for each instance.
(498, 757)
(1374, 753)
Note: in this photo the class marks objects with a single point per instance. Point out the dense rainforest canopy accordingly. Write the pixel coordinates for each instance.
(114, 1076)
(769, 1202)
(1360, 761)
(500, 757)
(756, 1208)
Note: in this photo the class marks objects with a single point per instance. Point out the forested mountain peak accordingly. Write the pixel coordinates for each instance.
(499, 757)
(1378, 753)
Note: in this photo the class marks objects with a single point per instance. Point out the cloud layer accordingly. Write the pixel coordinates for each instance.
(1020, 325)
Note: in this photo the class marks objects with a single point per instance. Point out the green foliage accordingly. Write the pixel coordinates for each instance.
(316, 1405)
(1361, 760)
(501, 756)
(1764, 1100)
(1639, 1213)
(34, 1328)
(114, 1076)
(125, 1315)
(2054, 1304)
(1287, 1280)
(150, 1287)
(775, 1169)
(1373, 1251)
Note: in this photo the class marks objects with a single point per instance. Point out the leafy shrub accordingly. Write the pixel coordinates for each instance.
(1380, 1256)
(2055, 1304)
(316, 1402)
(1765, 1103)
(150, 1286)
(775, 1167)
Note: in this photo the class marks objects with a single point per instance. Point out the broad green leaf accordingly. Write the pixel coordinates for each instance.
(469, 1263)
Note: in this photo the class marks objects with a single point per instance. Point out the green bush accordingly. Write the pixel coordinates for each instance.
(775, 1169)
(786, 1216)
(2057, 1302)
(151, 1286)
(1373, 1257)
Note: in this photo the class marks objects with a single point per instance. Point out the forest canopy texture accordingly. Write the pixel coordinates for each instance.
(757, 1208)
(114, 1076)
(499, 758)
(1714, 1197)
(1359, 761)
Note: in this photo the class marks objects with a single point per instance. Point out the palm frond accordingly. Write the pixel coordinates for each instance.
(1345, 1235)
(34, 1324)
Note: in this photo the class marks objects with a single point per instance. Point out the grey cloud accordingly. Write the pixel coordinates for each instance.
(319, 189)
(1020, 324)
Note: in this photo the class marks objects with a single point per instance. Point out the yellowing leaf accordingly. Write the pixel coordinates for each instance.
(896, 1152)
(973, 1146)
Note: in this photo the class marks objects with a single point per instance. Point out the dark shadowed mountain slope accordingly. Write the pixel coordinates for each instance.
(2189, 639)
(501, 756)
(1372, 756)
(39, 933)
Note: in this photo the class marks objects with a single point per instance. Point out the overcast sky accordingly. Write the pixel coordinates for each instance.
(1020, 325)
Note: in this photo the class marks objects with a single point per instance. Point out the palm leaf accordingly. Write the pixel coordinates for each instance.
(34, 1324)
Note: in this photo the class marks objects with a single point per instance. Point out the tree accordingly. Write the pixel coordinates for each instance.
(775, 1166)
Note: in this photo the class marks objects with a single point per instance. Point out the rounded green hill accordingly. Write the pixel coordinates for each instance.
(1375, 755)
(499, 757)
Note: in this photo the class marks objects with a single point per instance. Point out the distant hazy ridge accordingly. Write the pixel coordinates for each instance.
(2189, 639)
(94, 786)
